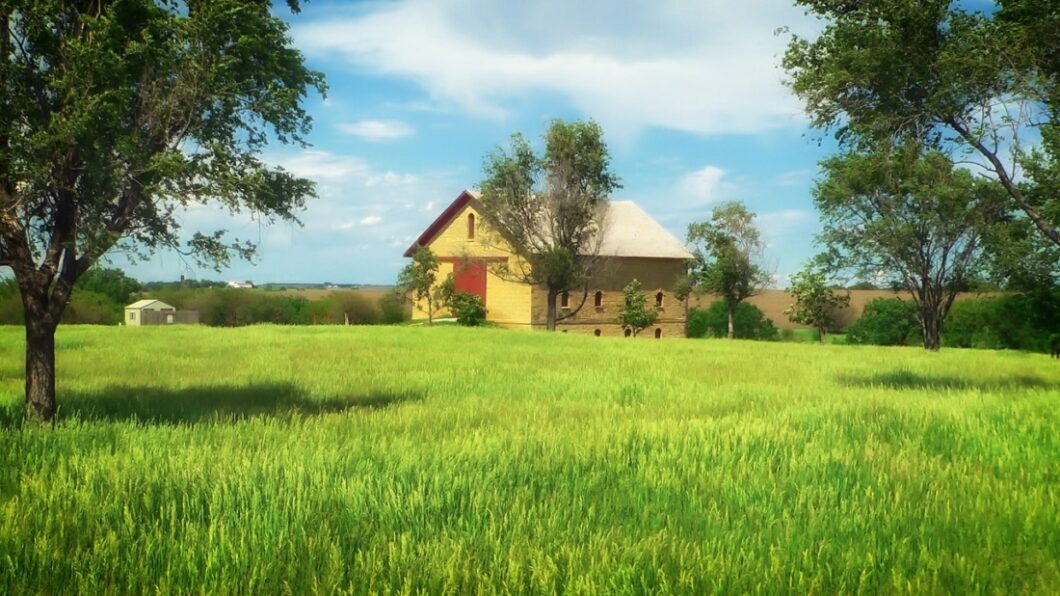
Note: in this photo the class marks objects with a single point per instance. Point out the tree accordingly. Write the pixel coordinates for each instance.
(909, 214)
(934, 72)
(550, 210)
(116, 114)
(635, 314)
(815, 303)
(419, 278)
(725, 254)
(110, 282)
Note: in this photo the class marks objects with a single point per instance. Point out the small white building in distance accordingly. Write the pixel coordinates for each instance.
(155, 311)
(245, 285)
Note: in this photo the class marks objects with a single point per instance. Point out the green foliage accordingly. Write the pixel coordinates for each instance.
(885, 322)
(468, 308)
(110, 282)
(1012, 321)
(634, 313)
(418, 278)
(725, 251)
(713, 321)
(549, 209)
(911, 215)
(815, 302)
(633, 473)
(392, 308)
(935, 72)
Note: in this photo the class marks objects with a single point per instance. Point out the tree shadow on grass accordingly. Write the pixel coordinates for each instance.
(208, 403)
(907, 380)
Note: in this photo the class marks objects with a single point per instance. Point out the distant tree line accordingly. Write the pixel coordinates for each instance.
(100, 296)
(998, 322)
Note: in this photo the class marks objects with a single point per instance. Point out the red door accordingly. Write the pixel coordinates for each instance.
(471, 278)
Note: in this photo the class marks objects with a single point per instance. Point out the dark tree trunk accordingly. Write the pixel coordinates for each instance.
(931, 324)
(550, 312)
(732, 326)
(40, 370)
(823, 331)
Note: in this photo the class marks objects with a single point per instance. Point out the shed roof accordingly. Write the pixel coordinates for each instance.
(141, 304)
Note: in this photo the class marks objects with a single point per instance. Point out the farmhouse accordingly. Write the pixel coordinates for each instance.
(156, 312)
(152, 309)
(633, 246)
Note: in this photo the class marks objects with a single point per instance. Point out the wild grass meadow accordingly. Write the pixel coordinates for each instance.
(333, 459)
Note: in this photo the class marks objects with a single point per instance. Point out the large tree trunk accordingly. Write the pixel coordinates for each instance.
(40, 370)
(931, 324)
(550, 311)
(732, 314)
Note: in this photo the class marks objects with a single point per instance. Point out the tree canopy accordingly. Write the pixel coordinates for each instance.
(550, 209)
(910, 215)
(727, 252)
(115, 115)
(977, 86)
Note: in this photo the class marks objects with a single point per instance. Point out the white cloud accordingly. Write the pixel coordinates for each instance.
(378, 130)
(779, 224)
(371, 220)
(704, 67)
(702, 185)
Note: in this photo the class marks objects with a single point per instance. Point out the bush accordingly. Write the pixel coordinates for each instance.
(713, 321)
(92, 308)
(392, 308)
(885, 322)
(351, 307)
(1014, 321)
(468, 309)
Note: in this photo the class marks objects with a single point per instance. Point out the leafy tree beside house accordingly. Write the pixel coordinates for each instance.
(550, 209)
(815, 302)
(911, 214)
(418, 281)
(116, 114)
(726, 254)
(634, 313)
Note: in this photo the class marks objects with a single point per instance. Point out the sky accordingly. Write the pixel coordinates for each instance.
(690, 96)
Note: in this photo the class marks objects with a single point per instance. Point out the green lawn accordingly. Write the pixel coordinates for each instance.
(269, 459)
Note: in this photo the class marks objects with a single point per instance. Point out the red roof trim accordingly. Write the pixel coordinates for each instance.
(432, 230)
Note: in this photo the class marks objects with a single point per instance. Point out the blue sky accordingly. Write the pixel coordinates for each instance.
(689, 94)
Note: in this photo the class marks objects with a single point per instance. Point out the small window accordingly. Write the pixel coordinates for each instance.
(132, 316)
(658, 333)
(628, 332)
(596, 333)
(564, 300)
(598, 299)
(470, 226)
(659, 300)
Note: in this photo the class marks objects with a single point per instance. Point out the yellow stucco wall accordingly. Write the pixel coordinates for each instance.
(507, 301)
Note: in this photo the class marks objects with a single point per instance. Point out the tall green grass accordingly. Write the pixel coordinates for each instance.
(415, 459)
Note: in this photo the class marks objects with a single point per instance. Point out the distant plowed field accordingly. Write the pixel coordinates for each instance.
(446, 460)
(772, 303)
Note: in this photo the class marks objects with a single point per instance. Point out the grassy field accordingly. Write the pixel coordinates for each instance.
(407, 459)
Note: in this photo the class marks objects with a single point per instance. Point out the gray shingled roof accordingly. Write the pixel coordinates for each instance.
(630, 232)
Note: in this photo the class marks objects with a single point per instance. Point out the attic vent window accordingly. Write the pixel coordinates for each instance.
(659, 300)
(564, 300)
(470, 226)
(598, 299)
